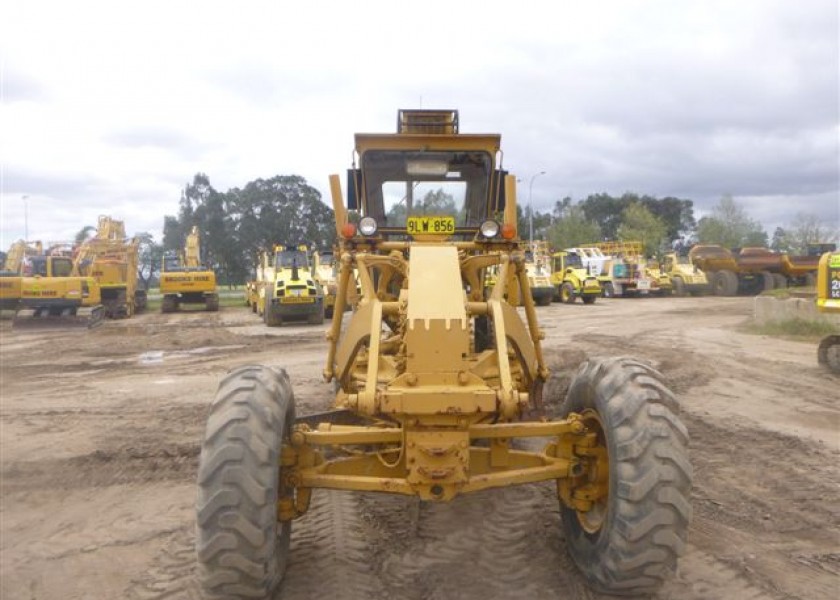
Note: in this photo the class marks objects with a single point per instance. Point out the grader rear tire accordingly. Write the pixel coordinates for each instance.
(679, 287)
(241, 547)
(629, 543)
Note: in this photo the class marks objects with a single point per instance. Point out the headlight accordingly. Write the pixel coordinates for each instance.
(368, 226)
(489, 229)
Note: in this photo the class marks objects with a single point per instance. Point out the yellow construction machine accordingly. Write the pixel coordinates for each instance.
(288, 287)
(112, 258)
(51, 292)
(441, 382)
(326, 274)
(185, 280)
(686, 277)
(828, 301)
(538, 268)
(10, 276)
(572, 279)
(627, 272)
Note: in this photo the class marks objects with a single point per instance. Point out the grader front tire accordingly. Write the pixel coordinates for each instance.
(241, 546)
(629, 543)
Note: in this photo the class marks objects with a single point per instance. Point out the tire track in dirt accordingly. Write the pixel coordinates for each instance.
(101, 468)
(330, 554)
(497, 544)
(172, 576)
(701, 576)
(751, 520)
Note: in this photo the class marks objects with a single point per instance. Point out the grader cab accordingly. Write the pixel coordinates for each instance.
(437, 385)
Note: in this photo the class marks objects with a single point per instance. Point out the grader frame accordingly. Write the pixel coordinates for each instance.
(426, 389)
(435, 383)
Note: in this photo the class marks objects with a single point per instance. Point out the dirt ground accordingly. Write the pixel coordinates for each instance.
(100, 433)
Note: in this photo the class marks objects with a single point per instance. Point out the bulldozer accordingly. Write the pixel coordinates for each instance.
(111, 258)
(185, 280)
(289, 289)
(828, 301)
(10, 276)
(51, 292)
(438, 388)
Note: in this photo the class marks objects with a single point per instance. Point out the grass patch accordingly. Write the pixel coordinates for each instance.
(225, 300)
(801, 329)
(792, 292)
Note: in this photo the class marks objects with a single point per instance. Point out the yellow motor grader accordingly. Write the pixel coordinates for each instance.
(443, 383)
(185, 280)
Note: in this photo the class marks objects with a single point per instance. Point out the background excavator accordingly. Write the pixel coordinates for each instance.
(111, 258)
(10, 276)
(185, 280)
(52, 291)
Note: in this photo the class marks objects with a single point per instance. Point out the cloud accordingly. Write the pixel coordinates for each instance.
(114, 114)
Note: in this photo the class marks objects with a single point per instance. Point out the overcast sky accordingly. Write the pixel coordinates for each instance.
(112, 107)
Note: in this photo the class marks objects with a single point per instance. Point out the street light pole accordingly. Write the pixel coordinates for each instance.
(25, 218)
(531, 209)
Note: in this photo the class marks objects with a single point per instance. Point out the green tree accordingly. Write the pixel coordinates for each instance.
(84, 234)
(438, 202)
(676, 215)
(808, 229)
(149, 258)
(730, 226)
(573, 229)
(639, 224)
(780, 242)
(606, 211)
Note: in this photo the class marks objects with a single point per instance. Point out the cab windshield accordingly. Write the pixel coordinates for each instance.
(172, 263)
(399, 184)
(573, 261)
(290, 258)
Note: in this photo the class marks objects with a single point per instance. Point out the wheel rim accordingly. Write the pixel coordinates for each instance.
(597, 473)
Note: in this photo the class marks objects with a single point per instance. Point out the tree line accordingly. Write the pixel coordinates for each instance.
(665, 223)
(235, 225)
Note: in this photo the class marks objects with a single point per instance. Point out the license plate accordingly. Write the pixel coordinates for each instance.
(296, 300)
(643, 284)
(430, 225)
